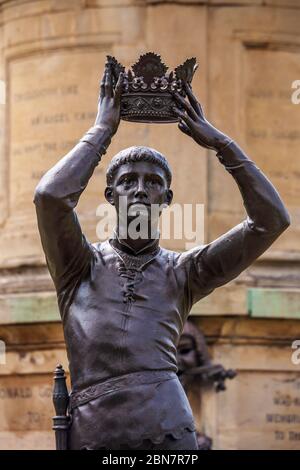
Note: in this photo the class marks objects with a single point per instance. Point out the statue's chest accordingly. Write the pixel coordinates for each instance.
(145, 279)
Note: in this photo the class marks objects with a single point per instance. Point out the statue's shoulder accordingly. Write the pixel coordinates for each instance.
(103, 249)
(183, 258)
(173, 257)
(166, 252)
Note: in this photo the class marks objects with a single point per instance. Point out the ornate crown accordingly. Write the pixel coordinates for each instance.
(146, 93)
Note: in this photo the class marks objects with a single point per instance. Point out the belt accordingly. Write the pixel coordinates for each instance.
(117, 383)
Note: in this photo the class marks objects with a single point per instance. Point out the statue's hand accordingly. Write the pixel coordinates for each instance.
(193, 122)
(109, 101)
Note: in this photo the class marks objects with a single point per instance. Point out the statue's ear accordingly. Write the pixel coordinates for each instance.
(109, 195)
(169, 196)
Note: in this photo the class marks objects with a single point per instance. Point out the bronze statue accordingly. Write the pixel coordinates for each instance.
(195, 369)
(124, 301)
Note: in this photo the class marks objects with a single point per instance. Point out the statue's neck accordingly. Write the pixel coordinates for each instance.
(135, 246)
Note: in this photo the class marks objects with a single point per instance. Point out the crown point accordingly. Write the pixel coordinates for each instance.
(149, 66)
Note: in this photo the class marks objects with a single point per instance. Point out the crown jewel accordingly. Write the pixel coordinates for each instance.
(147, 88)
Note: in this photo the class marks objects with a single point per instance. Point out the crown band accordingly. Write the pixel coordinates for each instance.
(146, 107)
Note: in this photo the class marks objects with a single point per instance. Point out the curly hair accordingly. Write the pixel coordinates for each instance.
(137, 154)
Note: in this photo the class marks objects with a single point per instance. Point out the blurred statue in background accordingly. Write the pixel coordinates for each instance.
(195, 368)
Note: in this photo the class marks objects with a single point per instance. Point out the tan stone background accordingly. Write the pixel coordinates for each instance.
(51, 59)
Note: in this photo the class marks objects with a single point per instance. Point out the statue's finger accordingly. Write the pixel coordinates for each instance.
(108, 82)
(192, 99)
(118, 89)
(184, 128)
(183, 116)
(102, 85)
(188, 108)
(201, 110)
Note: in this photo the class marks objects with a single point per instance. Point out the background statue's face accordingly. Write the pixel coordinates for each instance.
(142, 183)
(187, 357)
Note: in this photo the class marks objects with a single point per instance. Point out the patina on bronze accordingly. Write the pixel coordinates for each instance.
(124, 302)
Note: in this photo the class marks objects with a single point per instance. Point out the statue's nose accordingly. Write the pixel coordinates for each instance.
(141, 190)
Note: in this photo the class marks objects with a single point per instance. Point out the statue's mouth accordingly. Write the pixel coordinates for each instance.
(138, 209)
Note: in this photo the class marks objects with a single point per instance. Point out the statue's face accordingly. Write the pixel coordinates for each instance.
(186, 353)
(143, 183)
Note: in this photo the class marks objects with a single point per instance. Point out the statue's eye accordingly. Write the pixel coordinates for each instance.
(127, 180)
(185, 350)
(153, 181)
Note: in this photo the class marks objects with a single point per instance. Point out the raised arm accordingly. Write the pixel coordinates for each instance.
(220, 261)
(68, 253)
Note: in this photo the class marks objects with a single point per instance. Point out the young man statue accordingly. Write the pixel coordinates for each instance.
(123, 302)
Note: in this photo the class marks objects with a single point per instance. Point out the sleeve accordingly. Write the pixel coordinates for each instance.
(68, 253)
(216, 263)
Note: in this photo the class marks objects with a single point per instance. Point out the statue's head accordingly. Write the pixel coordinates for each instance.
(143, 176)
(192, 349)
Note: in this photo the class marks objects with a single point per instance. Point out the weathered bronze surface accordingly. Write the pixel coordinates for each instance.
(124, 302)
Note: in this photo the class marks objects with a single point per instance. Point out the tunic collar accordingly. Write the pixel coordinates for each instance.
(149, 248)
